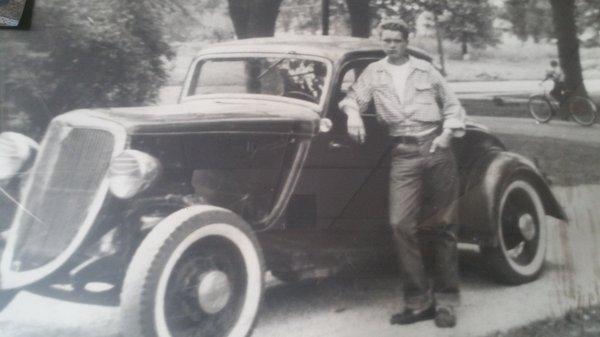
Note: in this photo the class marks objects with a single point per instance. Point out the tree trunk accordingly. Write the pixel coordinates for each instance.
(254, 18)
(440, 46)
(360, 21)
(325, 17)
(563, 12)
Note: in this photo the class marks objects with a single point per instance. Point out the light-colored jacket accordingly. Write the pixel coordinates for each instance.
(428, 101)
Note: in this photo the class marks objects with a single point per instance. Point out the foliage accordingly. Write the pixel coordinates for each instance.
(530, 18)
(470, 21)
(103, 53)
(408, 10)
(197, 20)
(588, 13)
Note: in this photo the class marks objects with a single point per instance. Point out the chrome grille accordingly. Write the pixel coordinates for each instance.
(64, 183)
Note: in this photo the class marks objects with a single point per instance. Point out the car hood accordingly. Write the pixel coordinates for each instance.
(223, 115)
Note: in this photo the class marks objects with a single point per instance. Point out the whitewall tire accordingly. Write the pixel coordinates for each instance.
(521, 224)
(199, 272)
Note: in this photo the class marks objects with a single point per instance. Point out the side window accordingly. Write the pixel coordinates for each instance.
(349, 75)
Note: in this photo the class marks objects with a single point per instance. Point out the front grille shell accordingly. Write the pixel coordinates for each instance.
(62, 197)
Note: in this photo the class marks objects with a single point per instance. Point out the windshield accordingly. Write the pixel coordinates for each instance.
(289, 76)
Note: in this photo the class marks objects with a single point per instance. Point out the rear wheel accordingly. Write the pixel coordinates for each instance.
(521, 230)
(199, 276)
(540, 108)
(583, 110)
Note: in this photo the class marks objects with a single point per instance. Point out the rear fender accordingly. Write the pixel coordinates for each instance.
(482, 188)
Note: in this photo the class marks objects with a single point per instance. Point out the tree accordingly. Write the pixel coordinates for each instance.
(529, 18)
(515, 12)
(103, 53)
(254, 18)
(470, 22)
(360, 18)
(568, 44)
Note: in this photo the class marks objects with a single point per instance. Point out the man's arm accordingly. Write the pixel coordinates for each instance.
(453, 113)
(357, 99)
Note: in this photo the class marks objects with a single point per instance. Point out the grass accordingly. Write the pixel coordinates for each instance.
(510, 60)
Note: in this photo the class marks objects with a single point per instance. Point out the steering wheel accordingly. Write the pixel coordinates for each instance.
(300, 95)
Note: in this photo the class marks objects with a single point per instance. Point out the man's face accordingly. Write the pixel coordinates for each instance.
(394, 44)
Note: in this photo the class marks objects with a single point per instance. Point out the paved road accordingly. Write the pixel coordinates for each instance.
(489, 88)
(528, 126)
(361, 307)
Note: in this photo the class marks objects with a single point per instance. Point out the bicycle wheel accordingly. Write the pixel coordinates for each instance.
(540, 108)
(583, 110)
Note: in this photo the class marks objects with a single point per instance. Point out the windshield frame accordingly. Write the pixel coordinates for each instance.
(184, 96)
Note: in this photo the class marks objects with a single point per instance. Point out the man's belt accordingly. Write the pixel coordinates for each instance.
(414, 139)
(406, 140)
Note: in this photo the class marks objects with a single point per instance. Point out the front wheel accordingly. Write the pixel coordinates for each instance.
(521, 229)
(583, 110)
(540, 108)
(6, 297)
(198, 273)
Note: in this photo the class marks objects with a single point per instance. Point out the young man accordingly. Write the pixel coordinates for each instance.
(422, 115)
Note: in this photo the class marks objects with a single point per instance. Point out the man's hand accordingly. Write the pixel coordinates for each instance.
(356, 129)
(441, 141)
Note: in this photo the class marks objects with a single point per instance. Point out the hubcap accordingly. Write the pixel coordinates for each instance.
(214, 291)
(527, 226)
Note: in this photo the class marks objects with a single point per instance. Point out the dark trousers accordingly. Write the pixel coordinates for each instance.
(423, 193)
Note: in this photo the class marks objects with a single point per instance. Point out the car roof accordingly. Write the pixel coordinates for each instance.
(332, 47)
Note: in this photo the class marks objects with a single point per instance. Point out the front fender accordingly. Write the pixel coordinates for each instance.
(482, 186)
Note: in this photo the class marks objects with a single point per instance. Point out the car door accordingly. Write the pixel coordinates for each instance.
(338, 190)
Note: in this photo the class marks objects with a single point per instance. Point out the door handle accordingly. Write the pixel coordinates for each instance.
(335, 145)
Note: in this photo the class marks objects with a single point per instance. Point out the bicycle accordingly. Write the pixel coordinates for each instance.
(543, 107)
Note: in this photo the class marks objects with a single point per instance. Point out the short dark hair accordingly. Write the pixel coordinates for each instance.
(395, 24)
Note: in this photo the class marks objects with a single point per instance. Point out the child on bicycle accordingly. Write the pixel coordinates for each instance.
(557, 76)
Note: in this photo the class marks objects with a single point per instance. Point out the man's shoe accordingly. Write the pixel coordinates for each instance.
(445, 317)
(410, 316)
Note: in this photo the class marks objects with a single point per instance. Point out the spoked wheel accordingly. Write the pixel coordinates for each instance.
(540, 108)
(520, 253)
(202, 276)
(583, 110)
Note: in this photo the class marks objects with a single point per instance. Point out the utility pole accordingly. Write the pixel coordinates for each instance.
(325, 16)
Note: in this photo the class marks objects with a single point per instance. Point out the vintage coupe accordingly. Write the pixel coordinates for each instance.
(176, 212)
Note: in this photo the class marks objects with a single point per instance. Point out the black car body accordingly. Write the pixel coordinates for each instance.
(181, 209)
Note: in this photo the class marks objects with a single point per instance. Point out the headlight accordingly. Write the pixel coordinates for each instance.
(131, 172)
(15, 150)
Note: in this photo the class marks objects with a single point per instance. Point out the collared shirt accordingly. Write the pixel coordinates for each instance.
(427, 101)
